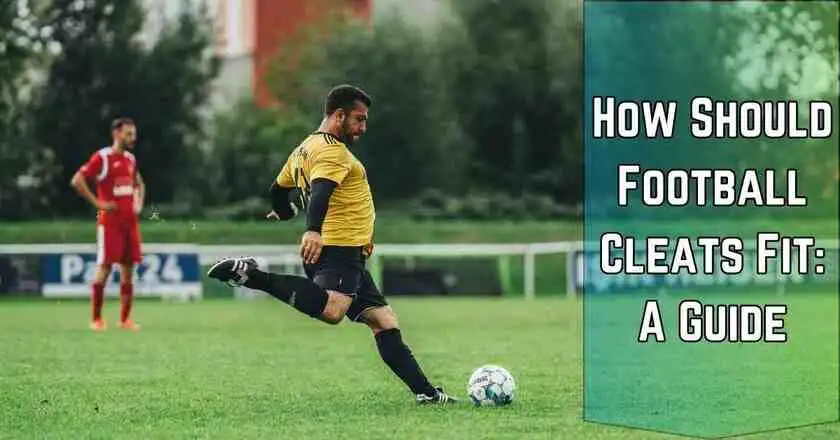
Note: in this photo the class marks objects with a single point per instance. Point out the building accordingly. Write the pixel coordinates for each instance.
(248, 33)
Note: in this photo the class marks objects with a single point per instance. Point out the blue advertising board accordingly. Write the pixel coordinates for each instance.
(160, 274)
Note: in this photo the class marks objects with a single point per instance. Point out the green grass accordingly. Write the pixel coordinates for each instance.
(392, 229)
(712, 389)
(225, 369)
(388, 230)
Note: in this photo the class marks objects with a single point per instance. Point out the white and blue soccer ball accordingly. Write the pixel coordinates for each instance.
(491, 385)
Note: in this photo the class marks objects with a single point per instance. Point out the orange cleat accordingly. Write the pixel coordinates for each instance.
(98, 325)
(129, 325)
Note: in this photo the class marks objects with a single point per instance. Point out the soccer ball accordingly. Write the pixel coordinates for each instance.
(491, 385)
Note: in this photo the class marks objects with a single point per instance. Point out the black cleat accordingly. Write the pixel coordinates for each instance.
(439, 398)
(233, 271)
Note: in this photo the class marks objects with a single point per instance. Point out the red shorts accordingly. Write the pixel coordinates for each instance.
(118, 243)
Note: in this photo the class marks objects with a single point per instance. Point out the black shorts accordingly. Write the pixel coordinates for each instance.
(342, 268)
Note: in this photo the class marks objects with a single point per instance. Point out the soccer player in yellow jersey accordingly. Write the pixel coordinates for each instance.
(323, 178)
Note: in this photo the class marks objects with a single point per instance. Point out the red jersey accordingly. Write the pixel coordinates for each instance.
(115, 173)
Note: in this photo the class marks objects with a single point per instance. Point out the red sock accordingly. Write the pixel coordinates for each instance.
(126, 298)
(96, 297)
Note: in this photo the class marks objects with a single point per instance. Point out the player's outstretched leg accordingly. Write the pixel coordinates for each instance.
(399, 358)
(298, 292)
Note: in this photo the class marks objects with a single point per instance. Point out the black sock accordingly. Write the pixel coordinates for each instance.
(399, 358)
(298, 292)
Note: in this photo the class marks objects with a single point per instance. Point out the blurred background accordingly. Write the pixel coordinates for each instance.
(469, 105)
(474, 138)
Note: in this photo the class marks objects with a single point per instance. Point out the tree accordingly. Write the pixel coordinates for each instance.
(22, 45)
(249, 146)
(727, 51)
(104, 71)
(413, 142)
(789, 51)
(514, 71)
(431, 125)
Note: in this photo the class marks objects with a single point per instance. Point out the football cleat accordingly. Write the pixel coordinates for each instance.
(233, 271)
(129, 325)
(439, 398)
(98, 325)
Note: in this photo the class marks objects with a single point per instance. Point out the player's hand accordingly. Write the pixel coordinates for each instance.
(368, 250)
(297, 201)
(310, 247)
(106, 206)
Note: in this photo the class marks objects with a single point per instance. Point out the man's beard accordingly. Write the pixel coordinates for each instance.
(345, 135)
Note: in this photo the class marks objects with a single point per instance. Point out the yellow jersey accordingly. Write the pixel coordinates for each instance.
(350, 214)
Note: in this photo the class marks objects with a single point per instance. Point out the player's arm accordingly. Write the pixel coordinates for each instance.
(319, 202)
(285, 203)
(79, 182)
(140, 195)
(286, 200)
(329, 169)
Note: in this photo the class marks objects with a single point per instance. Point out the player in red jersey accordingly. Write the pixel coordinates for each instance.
(119, 197)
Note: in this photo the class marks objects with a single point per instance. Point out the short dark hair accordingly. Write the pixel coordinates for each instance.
(118, 123)
(344, 96)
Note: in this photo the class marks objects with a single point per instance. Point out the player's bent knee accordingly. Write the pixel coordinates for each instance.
(332, 316)
(380, 319)
(336, 308)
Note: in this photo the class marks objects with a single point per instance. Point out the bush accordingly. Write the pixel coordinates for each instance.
(437, 205)
(251, 208)
(249, 147)
(413, 141)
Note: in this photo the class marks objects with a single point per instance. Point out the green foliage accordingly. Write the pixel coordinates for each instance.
(490, 103)
(23, 190)
(248, 149)
(480, 118)
(412, 142)
(391, 229)
(176, 77)
(514, 70)
(104, 71)
(795, 46)
(433, 204)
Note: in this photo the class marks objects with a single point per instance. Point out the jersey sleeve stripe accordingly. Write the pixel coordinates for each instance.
(329, 139)
(103, 153)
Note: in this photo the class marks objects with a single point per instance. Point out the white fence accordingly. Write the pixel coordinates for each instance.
(288, 260)
(288, 256)
(175, 268)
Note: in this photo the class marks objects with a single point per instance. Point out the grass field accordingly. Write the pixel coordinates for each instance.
(395, 229)
(225, 369)
(388, 230)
